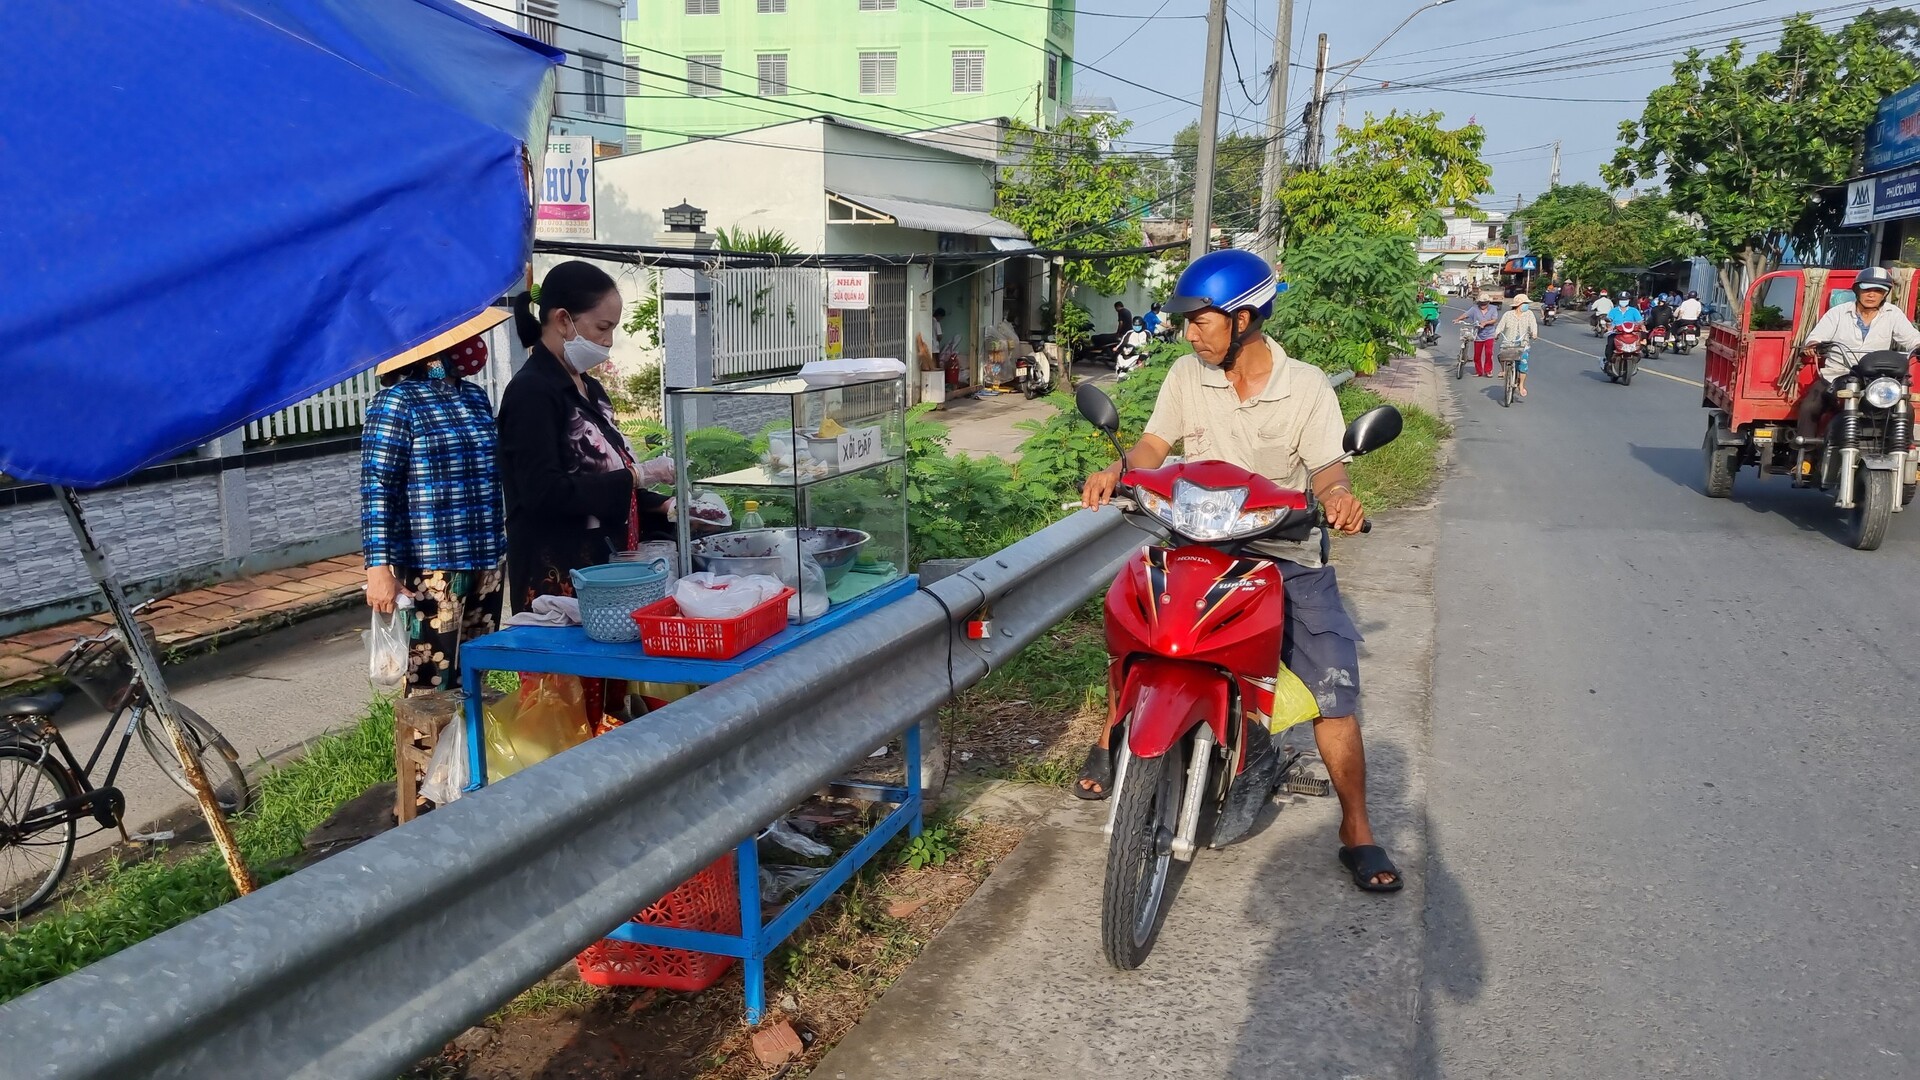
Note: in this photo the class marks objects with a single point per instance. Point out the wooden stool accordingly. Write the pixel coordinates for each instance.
(417, 722)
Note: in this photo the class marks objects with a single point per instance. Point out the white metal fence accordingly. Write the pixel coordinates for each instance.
(767, 321)
(343, 406)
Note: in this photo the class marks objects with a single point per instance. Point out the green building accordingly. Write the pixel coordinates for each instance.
(715, 67)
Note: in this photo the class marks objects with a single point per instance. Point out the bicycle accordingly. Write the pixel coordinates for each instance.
(1466, 353)
(45, 792)
(1509, 375)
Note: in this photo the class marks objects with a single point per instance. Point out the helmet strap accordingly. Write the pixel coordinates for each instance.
(1240, 340)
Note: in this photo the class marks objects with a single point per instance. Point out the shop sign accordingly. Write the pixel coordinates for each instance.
(849, 290)
(1895, 195)
(836, 334)
(566, 190)
(1859, 202)
(859, 446)
(1496, 253)
(1894, 138)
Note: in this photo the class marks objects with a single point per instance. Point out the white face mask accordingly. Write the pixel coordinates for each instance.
(583, 355)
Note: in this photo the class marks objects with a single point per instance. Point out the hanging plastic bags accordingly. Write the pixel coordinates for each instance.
(547, 716)
(387, 644)
(448, 767)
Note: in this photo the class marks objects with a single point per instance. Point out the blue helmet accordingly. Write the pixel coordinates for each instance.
(1229, 280)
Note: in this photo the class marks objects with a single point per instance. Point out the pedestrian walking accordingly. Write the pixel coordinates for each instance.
(430, 514)
(1485, 316)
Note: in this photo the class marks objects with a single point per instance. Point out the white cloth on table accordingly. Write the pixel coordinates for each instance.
(548, 611)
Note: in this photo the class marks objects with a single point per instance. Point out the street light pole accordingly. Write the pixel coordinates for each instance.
(1320, 100)
(1209, 130)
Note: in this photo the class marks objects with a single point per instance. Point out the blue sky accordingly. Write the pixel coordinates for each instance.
(1476, 43)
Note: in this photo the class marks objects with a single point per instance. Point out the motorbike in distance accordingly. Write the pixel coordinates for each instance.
(1624, 361)
(1549, 314)
(1194, 630)
(1659, 340)
(1033, 373)
(1686, 336)
(1598, 319)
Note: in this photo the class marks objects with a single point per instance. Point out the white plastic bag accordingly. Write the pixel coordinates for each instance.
(449, 766)
(783, 833)
(387, 645)
(798, 571)
(707, 595)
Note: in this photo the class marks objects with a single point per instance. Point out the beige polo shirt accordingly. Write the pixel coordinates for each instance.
(1286, 433)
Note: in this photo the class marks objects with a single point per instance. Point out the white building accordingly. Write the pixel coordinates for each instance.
(588, 95)
(836, 186)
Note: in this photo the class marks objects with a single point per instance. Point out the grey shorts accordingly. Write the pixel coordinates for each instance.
(1321, 645)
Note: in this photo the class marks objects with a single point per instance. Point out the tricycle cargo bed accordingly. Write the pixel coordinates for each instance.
(1740, 382)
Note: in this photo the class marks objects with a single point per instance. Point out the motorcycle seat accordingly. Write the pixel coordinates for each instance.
(41, 705)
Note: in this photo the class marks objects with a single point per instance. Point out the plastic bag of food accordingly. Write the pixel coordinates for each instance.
(387, 644)
(800, 572)
(707, 595)
(449, 765)
(1293, 703)
(547, 716)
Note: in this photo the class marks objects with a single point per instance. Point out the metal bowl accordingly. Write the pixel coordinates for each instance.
(752, 551)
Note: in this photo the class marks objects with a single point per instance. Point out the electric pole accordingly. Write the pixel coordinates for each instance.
(1317, 108)
(1553, 173)
(1276, 162)
(1209, 131)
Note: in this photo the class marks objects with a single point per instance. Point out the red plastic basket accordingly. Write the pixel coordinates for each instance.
(709, 900)
(666, 632)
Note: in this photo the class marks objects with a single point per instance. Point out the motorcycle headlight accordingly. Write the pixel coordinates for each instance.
(1206, 514)
(1882, 393)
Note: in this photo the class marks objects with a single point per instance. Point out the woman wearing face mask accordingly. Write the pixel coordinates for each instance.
(430, 499)
(574, 493)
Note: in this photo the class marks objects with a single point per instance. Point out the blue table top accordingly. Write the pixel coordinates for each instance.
(567, 650)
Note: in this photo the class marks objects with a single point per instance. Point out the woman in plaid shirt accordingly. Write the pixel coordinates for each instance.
(430, 507)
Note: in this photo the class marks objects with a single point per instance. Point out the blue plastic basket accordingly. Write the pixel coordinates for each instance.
(610, 594)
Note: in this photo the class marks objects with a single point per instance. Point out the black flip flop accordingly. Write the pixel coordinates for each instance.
(1368, 860)
(1099, 769)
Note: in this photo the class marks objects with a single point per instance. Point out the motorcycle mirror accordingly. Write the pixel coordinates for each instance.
(1098, 408)
(1372, 430)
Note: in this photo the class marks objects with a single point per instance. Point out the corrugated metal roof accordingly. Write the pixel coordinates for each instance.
(934, 217)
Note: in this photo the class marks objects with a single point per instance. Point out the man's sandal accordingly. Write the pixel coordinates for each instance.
(1367, 862)
(1099, 771)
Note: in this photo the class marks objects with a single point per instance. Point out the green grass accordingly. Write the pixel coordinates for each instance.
(1405, 470)
(548, 996)
(1059, 667)
(130, 902)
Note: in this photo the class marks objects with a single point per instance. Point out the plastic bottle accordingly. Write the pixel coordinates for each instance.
(751, 519)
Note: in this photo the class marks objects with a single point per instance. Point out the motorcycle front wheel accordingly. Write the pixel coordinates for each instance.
(1872, 510)
(1140, 856)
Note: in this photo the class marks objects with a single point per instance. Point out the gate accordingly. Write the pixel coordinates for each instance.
(767, 321)
(881, 330)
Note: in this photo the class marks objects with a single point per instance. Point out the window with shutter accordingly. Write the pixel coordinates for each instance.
(772, 7)
(703, 75)
(773, 74)
(595, 76)
(543, 19)
(703, 7)
(969, 71)
(878, 5)
(969, 3)
(1053, 77)
(878, 71)
(633, 74)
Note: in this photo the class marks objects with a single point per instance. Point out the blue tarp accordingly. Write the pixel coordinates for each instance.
(211, 209)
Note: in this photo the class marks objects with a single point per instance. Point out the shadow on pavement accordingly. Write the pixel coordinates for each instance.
(1807, 509)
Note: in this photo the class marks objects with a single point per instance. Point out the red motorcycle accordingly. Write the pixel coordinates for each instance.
(1659, 340)
(1194, 632)
(1624, 358)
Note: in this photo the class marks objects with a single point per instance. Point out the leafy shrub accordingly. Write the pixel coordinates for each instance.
(1350, 300)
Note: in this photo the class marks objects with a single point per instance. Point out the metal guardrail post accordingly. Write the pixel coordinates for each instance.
(367, 962)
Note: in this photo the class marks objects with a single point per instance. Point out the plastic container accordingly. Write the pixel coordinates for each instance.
(651, 550)
(610, 594)
(709, 900)
(665, 632)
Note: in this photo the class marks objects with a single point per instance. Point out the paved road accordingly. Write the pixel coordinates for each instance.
(1673, 755)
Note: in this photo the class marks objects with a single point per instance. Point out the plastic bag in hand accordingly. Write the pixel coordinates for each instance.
(657, 470)
(387, 644)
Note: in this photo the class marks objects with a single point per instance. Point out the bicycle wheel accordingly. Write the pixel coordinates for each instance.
(31, 862)
(1508, 381)
(217, 757)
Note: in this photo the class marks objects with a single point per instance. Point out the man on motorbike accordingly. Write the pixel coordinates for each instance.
(1430, 315)
(1602, 305)
(1688, 310)
(1550, 300)
(1661, 314)
(1241, 399)
(1624, 314)
(1152, 319)
(1866, 324)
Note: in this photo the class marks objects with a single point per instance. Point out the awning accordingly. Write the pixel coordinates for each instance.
(927, 216)
(1484, 260)
(243, 204)
(1459, 259)
(1008, 243)
(1432, 256)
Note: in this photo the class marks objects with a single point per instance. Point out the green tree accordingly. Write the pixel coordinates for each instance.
(1562, 206)
(1401, 168)
(1588, 235)
(1898, 28)
(762, 241)
(1743, 146)
(1065, 191)
(1350, 299)
(1239, 164)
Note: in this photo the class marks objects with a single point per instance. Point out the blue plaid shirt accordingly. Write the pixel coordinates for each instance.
(429, 485)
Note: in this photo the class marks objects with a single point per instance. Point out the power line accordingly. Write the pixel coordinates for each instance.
(1143, 26)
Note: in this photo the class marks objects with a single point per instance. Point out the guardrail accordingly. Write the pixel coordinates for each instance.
(371, 960)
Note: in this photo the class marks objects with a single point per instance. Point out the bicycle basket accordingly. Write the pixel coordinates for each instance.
(103, 670)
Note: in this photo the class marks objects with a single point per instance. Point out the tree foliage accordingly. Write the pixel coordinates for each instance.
(1350, 299)
(1589, 236)
(1745, 147)
(1401, 168)
(1239, 170)
(763, 241)
(1065, 191)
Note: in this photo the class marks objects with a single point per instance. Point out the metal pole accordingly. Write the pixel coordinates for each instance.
(148, 670)
(1276, 162)
(1317, 110)
(1209, 131)
(1553, 173)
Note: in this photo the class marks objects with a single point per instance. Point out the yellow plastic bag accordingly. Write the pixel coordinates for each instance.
(547, 716)
(1293, 703)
